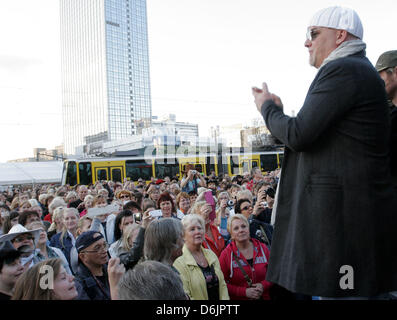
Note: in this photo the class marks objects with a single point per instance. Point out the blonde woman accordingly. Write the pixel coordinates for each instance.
(198, 267)
(66, 239)
(248, 254)
(57, 224)
(124, 244)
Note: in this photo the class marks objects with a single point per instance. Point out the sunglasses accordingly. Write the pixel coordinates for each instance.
(246, 208)
(312, 34)
(124, 196)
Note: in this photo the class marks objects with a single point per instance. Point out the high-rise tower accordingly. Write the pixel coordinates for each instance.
(105, 69)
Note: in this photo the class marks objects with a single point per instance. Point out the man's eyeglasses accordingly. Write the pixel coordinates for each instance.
(246, 208)
(22, 239)
(312, 34)
(99, 248)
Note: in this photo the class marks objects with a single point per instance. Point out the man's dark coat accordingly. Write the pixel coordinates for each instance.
(336, 205)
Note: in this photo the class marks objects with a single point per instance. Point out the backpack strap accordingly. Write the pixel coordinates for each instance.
(246, 277)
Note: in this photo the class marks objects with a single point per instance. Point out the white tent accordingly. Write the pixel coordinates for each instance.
(30, 172)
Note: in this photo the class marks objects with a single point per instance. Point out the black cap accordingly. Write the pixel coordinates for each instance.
(7, 251)
(86, 239)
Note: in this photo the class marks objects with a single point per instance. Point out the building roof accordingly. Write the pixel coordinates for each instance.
(30, 172)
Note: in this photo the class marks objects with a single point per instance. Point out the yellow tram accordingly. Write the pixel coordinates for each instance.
(89, 170)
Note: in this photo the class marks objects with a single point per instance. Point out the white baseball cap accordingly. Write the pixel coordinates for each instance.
(339, 18)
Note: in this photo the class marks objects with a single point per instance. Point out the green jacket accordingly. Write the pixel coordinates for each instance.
(193, 278)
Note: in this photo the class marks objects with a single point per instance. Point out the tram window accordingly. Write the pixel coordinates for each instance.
(71, 175)
(245, 166)
(166, 170)
(85, 173)
(116, 175)
(198, 167)
(254, 164)
(136, 169)
(268, 162)
(102, 174)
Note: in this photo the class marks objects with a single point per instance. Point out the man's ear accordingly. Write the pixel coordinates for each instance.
(341, 36)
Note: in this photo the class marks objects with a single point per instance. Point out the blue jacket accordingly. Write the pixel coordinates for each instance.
(67, 244)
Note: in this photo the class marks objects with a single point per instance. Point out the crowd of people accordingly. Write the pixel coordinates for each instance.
(195, 238)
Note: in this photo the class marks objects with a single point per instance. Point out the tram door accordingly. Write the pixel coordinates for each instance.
(246, 163)
(101, 173)
(116, 174)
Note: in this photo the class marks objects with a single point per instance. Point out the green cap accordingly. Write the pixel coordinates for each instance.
(386, 60)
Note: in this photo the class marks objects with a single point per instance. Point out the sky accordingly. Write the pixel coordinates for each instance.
(204, 55)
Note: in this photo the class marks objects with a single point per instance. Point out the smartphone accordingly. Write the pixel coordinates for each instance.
(210, 200)
(138, 217)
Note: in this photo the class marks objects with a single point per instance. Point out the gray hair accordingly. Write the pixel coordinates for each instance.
(70, 195)
(244, 194)
(55, 203)
(151, 280)
(189, 219)
(161, 239)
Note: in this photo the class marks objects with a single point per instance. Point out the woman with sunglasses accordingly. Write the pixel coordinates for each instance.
(258, 229)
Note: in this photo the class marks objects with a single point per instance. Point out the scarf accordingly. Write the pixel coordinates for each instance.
(346, 49)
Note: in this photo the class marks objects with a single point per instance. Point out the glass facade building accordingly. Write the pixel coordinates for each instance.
(105, 69)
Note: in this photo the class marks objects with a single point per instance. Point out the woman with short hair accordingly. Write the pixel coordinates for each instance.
(199, 268)
(183, 202)
(244, 263)
(167, 207)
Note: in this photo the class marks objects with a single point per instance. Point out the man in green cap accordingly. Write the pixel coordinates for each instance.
(387, 68)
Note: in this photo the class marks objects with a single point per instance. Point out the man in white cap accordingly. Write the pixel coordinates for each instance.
(334, 233)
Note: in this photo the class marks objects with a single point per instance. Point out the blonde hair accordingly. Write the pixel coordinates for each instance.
(57, 214)
(197, 206)
(80, 224)
(234, 217)
(64, 230)
(127, 233)
(88, 197)
(24, 203)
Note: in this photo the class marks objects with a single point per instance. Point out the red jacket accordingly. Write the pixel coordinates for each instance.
(236, 283)
(219, 243)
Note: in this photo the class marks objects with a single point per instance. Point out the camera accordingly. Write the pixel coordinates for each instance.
(230, 203)
(194, 171)
(264, 203)
(138, 217)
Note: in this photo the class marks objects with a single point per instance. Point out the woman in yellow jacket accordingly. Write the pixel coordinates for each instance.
(199, 268)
